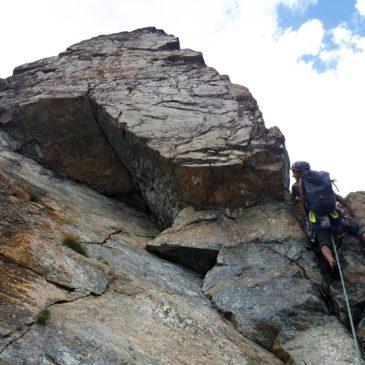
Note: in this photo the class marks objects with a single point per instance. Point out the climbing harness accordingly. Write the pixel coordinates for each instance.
(358, 360)
(313, 217)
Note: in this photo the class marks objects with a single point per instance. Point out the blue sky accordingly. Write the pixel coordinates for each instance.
(332, 14)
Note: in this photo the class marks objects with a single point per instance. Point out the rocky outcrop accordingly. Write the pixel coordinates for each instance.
(183, 132)
(351, 253)
(134, 121)
(266, 280)
(71, 145)
(118, 304)
(3, 84)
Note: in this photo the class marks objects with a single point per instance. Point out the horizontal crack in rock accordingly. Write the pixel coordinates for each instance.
(114, 233)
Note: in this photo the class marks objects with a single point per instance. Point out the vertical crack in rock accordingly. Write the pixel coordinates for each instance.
(132, 197)
(152, 173)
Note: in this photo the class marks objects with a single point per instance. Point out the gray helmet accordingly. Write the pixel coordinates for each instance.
(300, 166)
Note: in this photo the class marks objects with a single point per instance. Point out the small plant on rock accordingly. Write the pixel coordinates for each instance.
(73, 242)
(34, 196)
(43, 315)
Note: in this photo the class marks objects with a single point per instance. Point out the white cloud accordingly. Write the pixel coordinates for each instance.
(360, 6)
(321, 114)
(306, 40)
(298, 5)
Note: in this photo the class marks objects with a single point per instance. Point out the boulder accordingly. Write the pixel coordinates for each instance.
(182, 132)
(266, 279)
(196, 237)
(269, 299)
(262, 275)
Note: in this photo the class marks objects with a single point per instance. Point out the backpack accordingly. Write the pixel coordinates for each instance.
(318, 193)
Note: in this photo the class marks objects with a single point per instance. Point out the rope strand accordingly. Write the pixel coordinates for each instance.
(359, 360)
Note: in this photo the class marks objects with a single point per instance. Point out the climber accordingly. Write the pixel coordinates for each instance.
(326, 211)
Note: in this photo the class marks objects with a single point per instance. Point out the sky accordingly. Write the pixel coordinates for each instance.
(303, 60)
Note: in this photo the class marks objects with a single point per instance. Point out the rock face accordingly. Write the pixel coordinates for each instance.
(131, 120)
(119, 304)
(265, 280)
(352, 256)
(182, 132)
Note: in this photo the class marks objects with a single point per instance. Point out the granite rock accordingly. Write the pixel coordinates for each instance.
(182, 132)
(118, 304)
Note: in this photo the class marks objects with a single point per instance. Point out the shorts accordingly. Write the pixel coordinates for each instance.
(323, 237)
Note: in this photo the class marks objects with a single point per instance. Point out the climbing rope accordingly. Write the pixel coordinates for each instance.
(359, 360)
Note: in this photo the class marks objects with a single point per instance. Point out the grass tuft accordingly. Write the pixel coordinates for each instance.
(43, 315)
(73, 242)
(34, 196)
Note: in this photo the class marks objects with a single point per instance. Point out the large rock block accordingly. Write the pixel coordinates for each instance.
(263, 277)
(268, 297)
(185, 134)
(196, 237)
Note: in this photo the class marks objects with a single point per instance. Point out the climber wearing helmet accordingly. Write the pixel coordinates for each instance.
(326, 211)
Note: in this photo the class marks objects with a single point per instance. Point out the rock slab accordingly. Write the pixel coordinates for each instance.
(118, 304)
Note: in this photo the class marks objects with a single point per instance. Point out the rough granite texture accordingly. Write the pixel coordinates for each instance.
(121, 131)
(183, 133)
(117, 305)
(263, 277)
